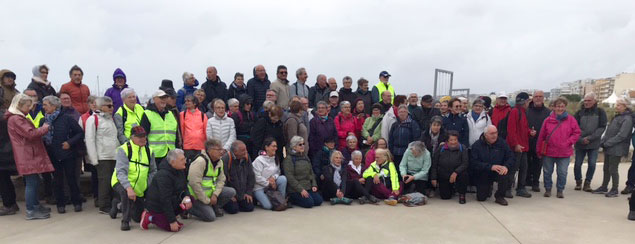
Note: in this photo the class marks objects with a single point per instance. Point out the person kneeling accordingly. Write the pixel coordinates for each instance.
(206, 183)
(491, 159)
(240, 176)
(167, 195)
(382, 179)
(449, 168)
(334, 180)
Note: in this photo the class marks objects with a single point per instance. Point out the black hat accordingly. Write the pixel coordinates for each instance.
(376, 106)
(427, 99)
(522, 97)
(170, 92)
(487, 101)
(166, 84)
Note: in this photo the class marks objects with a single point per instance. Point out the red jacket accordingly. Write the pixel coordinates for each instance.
(344, 125)
(79, 95)
(499, 113)
(28, 148)
(518, 129)
(194, 129)
(560, 144)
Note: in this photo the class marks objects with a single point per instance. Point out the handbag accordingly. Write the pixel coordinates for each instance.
(278, 202)
(543, 149)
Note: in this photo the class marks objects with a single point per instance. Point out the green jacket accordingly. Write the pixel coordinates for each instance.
(299, 172)
(417, 167)
(368, 124)
(386, 170)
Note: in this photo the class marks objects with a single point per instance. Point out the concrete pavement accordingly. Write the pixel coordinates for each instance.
(578, 218)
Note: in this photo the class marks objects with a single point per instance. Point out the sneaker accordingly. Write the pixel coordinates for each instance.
(334, 200)
(346, 200)
(523, 193)
(587, 186)
(600, 190)
(35, 214)
(508, 194)
(362, 200)
(461, 198)
(501, 201)
(627, 190)
(612, 193)
(373, 200)
(125, 225)
(61, 210)
(631, 215)
(6, 211)
(559, 194)
(78, 208)
(535, 188)
(391, 201)
(218, 211)
(104, 210)
(578, 185)
(43, 209)
(145, 220)
(547, 193)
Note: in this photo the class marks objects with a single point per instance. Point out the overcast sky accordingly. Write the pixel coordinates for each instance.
(490, 45)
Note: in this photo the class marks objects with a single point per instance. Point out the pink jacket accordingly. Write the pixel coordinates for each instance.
(560, 144)
(344, 125)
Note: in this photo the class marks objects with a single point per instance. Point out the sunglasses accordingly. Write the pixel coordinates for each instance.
(109, 105)
(282, 72)
(301, 144)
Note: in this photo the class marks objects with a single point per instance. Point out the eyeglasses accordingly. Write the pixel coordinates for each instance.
(109, 105)
(282, 72)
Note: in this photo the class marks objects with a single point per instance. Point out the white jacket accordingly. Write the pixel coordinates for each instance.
(477, 127)
(389, 119)
(222, 129)
(102, 142)
(265, 167)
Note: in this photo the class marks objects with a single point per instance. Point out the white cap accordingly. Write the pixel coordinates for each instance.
(159, 93)
(334, 94)
(501, 94)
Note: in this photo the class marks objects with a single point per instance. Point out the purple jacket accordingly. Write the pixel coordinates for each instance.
(114, 92)
(320, 130)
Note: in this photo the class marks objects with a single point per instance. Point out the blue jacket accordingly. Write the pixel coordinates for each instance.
(401, 134)
(65, 129)
(459, 124)
(483, 155)
(182, 93)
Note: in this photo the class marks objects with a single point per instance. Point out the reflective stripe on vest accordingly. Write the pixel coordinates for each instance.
(138, 168)
(162, 135)
(37, 120)
(133, 118)
(209, 179)
(381, 88)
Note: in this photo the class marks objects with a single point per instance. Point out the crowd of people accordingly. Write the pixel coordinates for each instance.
(203, 152)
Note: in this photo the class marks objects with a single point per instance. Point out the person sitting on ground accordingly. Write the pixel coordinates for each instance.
(335, 179)
(323, 157)
(240, 176)
(355, 184)
(490, 159)
(303, 190)
(167, 194)
(414, 168)
(449, 168)
(267, 174)
(206, 183)
(134, 170)
(382, 178)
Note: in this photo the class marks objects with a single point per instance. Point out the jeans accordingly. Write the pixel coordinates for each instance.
(562, 169)
(262, 198)
(105, 169)
(592, 155)
(630, 180)
(205, 212)
(314, 199)
(611, 163)
(7, 189)
(30, 191)
(65, 171)
(521, 167)
(129, 209)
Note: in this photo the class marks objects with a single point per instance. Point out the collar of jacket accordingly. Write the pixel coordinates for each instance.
(360, 91)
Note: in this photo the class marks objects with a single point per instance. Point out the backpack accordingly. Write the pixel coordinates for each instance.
(130, 151)
(278, 202)
(502, 125)
(202, 116)
(413, 199)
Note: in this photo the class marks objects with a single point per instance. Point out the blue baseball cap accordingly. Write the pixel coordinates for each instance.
(384, 74)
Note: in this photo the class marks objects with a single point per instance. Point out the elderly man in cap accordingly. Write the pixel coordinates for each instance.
(135, 166)
(161, 125)
(382, 86)
(501, 108)
(518, 133)
(334, 104)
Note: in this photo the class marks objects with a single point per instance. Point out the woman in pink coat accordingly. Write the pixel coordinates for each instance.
(29, 152)
(559, 133)
(345, 124)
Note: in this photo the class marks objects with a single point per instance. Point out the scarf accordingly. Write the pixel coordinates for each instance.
(475, 116)
(324, 118)
(49, 118)
(357, 169)
(337, 177)
(562, 116)
(434, 140)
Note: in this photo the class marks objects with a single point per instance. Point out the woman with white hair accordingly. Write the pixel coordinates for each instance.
(302, 184)
(355, 184)
(25, 140)
(414, 168)
(233, 105)
(335, 178)
(615, 143)
(220, 126)
(128, 115)
(189, 87)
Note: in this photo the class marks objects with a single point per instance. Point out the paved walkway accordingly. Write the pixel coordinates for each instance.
(578, 218)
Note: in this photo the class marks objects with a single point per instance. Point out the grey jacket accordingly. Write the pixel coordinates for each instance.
(617, 138)
(592, 123)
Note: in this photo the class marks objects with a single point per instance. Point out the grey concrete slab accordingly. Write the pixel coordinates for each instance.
(578, 218)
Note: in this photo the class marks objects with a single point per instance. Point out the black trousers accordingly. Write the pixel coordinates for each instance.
(534, 168)
(447, 189)
(355, 189)
(519, 167)
(416, 186)
(240, 205)
(631, 202)
(329, 189)
(48, 184)
(484, 185)
(129, 209)
(65, 170)
(7, 189)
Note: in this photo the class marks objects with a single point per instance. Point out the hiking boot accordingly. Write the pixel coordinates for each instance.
(61, 210)
(145, 220)
(334, 200)
(125, 225)
(461, 198)
(391, 201)
(523, 193)
(508, 194)
(578, 185)
(42, 209)
(218, 212)
(501, 201)
(7, 211)
(631, 215)
(35, 214)
(600, 190)
(346, 200)
(559, 194)
(612, 193)
(587, 186)
(373, 200)
(535, 188)
(362, 200)
(78, 208)
(430, 193)
(113, 210)
(628, 190)
(547, 192)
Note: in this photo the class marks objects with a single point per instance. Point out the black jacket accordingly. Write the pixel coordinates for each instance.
(239, 175)
(328, 172)
(416, 113)
(535, 117)
(214, 89)
(65, 129)
(347, 94)
(42, 90)
(367, 98)
(317, 94)
(427, 140)
(459, 124)
(263, 129)
(245, 120)
(321, 159)
(7, 162)
(426, 116)
(484, 155)
(166, 191)
(446, 161)
(257, 90)
(235, 91)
